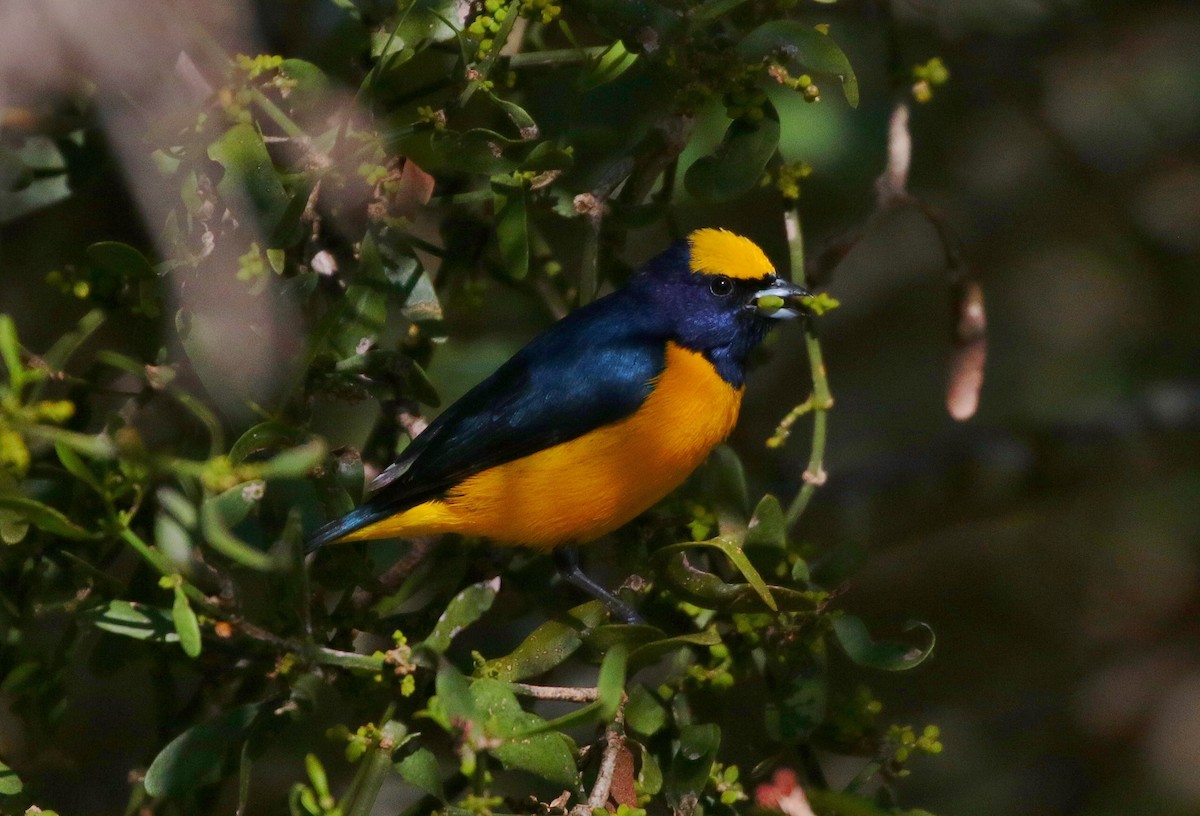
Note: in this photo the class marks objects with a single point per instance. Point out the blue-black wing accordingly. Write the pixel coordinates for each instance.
(591, 369)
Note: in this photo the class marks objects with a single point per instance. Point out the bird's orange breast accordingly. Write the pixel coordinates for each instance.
(582, 489)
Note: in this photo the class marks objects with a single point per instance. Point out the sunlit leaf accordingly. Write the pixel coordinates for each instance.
(464, 609)
(547, 646)
(501, 716)
(10, 783)
(615, 60)
(135, 620)
(186, 624)
(295, 463)
(421, 770)
(610, 684)
(644, 714)
(250, 180)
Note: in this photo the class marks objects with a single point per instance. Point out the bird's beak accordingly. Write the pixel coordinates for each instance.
(782, 300)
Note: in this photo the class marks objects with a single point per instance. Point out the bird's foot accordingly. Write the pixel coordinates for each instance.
(567, 562)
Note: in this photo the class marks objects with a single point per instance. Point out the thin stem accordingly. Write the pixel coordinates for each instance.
(276, 115)
(822, 399)
(568, 694)
(614, 737)
(563, 56)
(345, 660)
(589, 272)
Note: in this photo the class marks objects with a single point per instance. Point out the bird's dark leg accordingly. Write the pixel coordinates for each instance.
(566, 559)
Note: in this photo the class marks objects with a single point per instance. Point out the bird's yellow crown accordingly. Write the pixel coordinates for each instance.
(720, 252)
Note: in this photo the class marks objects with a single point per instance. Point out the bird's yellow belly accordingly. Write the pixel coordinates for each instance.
(582, 489)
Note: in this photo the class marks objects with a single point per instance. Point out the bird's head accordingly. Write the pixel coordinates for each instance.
(721, 295)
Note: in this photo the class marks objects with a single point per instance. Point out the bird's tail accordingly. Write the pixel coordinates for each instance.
(341, 527)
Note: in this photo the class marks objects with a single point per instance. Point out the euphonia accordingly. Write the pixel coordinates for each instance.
(597, 418)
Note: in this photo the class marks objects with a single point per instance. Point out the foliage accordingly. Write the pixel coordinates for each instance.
(135, 526)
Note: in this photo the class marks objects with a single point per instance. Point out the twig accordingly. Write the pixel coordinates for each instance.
(568, 694)
(892, 185)
(394, 576)
(968, 315)
(614, 738)
(821, 399)
(563, 56)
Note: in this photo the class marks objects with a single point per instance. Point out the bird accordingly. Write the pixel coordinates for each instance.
(595, 420)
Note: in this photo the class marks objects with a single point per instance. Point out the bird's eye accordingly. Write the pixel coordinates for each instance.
(721, 286)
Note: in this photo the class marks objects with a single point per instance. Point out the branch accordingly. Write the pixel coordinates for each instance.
(968, 315)
(821, 399)
(567, 694)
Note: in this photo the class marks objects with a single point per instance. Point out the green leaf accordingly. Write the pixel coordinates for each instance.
(186, 624)
(730, 478)
(650, 776)
(45, 517)
(121, 259)
(173, 540)
(616, 60)
(712, 9)
(10, 783)
(611, 682)
(296, 462)
(545, 754)
(737, 164)
(421, 770)
(135, 620)
(644, 714)
(733, 551)
(630, 635)
(309, 86)
(690, 767)
(217, 533)
(233, 505)
(195, 758)
(265, 436)
(520, 117)
(711, 592)
(650, 653)
(547, 646)
(798, 706)
(801, 46)
(250, 185)
(78, 468)
(512, 229)
(439, 151)
(10, 350)
(365, 320)
(464, 609)
(767, 527)
(64, 347)
(453, 694)
(548, 156)
(856, 642)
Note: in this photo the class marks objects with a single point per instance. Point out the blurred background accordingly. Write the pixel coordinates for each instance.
(1052, 540)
